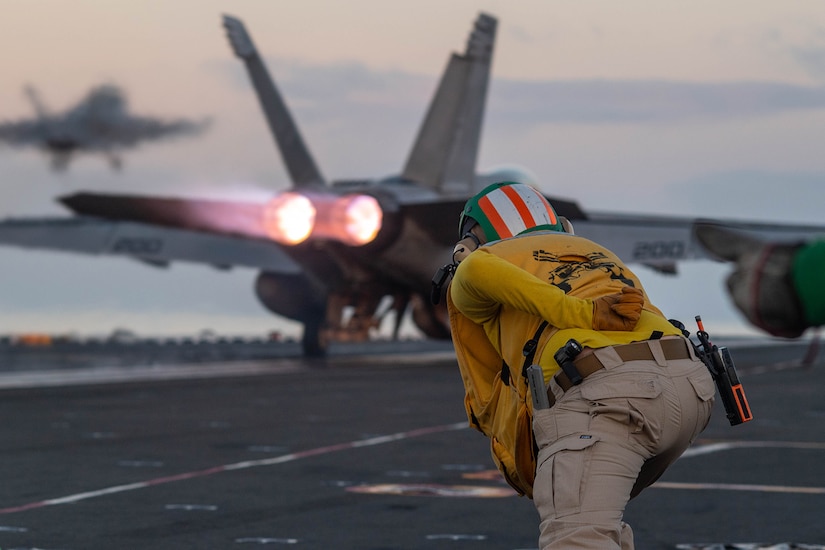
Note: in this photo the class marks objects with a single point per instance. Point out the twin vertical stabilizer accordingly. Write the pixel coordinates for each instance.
(445, 151)
(299, 163)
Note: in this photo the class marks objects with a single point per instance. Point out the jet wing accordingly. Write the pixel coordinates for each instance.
(229, 218)
(134, 129)
(150, 243)
(228, 233)
(21, 133)
(661, 241)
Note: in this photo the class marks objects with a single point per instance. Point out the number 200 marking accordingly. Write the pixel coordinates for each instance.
(654, 250)
(137, 245)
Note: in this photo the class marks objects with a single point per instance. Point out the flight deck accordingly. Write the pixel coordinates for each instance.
(363, 451)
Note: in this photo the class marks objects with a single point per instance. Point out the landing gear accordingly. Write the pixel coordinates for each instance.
(313, 341)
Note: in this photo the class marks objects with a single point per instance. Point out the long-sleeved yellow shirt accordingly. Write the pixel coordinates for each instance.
(509, 286)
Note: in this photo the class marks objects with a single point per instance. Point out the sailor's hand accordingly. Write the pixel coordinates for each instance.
(620, 311)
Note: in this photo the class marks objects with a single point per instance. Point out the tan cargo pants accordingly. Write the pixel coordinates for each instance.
(610, 437)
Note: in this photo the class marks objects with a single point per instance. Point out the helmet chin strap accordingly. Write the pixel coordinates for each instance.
(471, 235)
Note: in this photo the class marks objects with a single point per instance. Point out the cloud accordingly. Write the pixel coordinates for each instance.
(812, 59)
(759, 195)
(355, 90)
(645, 101)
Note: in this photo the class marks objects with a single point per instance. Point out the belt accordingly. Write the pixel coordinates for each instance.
(673, 348)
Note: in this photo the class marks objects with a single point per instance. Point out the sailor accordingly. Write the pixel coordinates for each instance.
(637, 396)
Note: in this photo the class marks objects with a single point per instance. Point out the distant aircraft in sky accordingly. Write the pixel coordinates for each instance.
(100, 123)
(338, 256)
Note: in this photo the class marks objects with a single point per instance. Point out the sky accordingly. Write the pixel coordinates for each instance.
(702, 108)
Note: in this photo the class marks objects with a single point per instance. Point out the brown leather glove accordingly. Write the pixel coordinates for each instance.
(620, 311)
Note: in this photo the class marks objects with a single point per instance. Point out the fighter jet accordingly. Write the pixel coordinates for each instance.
(100, 123)
(339, 256)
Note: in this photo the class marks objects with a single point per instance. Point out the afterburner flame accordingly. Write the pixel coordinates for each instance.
(289, 218)
(363, 217)
(351, 219)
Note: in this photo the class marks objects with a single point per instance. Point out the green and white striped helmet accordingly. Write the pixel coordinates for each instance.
(506, 209)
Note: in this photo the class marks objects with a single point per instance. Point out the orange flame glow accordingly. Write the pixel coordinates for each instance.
(289, 218)
(362, 218)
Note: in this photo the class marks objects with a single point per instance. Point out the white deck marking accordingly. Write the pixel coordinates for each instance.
(380, 440)
(739, 487)
(730, 445)
(111, 375)
(265, 540)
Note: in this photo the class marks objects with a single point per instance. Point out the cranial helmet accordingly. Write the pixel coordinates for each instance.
(507, 209)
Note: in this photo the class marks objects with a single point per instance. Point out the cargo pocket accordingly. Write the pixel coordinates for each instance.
(705, 388)
(646, 388)
(631, 403)
(564, 466)
(703, 385)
